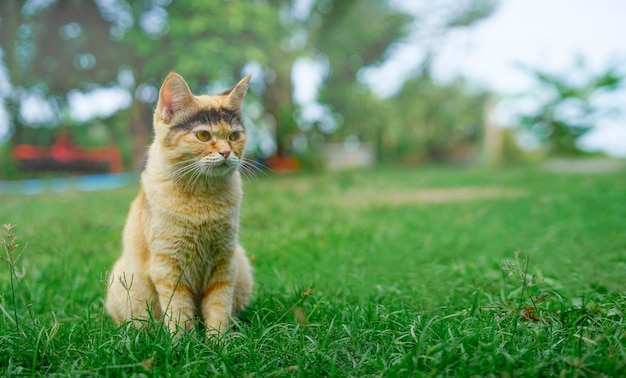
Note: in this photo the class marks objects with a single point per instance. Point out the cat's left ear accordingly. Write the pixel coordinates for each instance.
(236, 94)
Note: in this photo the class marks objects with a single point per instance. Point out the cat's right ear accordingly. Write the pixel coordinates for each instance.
(173, 96)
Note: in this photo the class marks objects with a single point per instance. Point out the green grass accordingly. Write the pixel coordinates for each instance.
(390, 272)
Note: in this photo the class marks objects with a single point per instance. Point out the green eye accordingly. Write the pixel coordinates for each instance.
(203, 135)
(235, 135)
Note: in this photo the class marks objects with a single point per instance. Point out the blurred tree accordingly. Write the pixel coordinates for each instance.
(350, 36)
(50, 48)
(73, 48)
(210, 42)
(353, 35)
(430, 119)
(56, 46)
(573, 105)
(423, 121)
(11, 18)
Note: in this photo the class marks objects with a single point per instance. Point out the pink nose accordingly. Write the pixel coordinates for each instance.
(225, 154)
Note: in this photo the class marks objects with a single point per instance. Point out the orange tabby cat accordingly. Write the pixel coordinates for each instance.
(181, 257)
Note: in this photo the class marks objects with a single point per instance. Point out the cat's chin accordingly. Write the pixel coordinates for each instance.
(221, 170)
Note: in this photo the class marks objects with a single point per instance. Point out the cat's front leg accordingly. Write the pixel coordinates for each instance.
(175, 296)
(217, 299)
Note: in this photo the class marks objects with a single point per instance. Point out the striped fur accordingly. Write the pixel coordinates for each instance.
(181, 258)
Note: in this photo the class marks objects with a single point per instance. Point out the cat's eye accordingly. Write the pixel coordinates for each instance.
(203, 135)
(235, 135)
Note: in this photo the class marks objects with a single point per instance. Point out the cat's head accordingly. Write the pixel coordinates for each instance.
(199, 136)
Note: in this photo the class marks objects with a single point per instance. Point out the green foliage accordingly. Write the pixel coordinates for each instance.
(206, 41)
(45, 43)
(8, 168)
(571, 109)
(385, 273)
(46, 51)
(431, 119)
(355, 34)
(53, 48)
(424, 121)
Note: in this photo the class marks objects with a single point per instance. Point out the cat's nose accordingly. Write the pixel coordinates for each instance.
(225, 154)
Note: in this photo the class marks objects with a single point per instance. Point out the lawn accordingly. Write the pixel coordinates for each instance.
(392, 272)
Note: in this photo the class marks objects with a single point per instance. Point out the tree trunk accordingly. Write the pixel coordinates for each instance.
(277, 102)
(140, 131)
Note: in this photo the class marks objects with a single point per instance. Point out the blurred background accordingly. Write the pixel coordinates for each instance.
(335, 84)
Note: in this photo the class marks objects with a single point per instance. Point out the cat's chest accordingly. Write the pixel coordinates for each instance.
(203, 242)
(193, 226)
(166, 199)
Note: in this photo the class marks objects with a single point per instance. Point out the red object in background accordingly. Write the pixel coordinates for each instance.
(27, 152)
(64, 154)
(282, 163)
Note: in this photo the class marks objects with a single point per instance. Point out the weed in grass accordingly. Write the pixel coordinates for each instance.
(519, 269)
(11, 258)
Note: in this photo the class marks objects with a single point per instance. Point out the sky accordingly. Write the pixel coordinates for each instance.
(540, 33)
(546, 34)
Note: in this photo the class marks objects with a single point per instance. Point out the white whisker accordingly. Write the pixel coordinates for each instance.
(187, 173)
(196, 175)
(250, 168)
(184, 171)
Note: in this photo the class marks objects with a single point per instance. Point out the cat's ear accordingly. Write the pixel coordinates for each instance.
(236, 93)
(173, 96)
